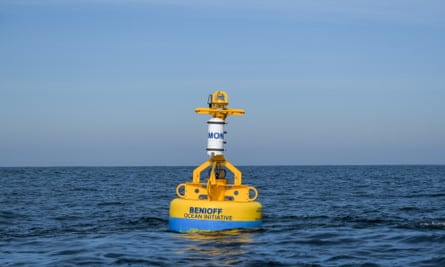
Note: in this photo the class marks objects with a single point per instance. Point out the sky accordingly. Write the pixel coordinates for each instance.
(115, 83)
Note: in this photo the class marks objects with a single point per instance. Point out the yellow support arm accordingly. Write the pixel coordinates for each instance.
(197, 171)
(221, 113)
(238, 176)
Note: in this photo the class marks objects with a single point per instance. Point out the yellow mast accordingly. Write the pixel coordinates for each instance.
(217, 187)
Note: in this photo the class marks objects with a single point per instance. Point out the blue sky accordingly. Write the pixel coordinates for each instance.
(115, 83)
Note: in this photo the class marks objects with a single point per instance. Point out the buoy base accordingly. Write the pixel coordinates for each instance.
(205, 215)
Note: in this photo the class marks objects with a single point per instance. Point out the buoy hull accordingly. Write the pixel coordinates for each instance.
(204, 215)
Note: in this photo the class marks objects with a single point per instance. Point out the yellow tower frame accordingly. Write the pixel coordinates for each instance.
(217, 186)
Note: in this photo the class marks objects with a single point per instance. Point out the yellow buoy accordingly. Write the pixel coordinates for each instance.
(215, 204)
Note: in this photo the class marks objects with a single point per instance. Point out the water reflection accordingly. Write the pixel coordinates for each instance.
(220, 248)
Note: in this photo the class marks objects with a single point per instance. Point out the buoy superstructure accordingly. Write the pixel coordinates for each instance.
(213, 203)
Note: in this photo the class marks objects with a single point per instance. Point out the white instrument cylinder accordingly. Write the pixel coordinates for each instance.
(215, 143)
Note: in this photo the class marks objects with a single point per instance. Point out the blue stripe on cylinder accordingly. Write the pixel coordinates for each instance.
(185, 225)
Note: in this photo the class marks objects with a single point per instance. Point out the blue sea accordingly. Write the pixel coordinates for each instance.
(313, 216)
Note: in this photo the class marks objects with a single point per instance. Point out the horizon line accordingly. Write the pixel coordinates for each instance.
(241, 165)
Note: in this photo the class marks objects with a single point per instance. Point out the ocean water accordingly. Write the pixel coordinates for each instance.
(313, 216)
